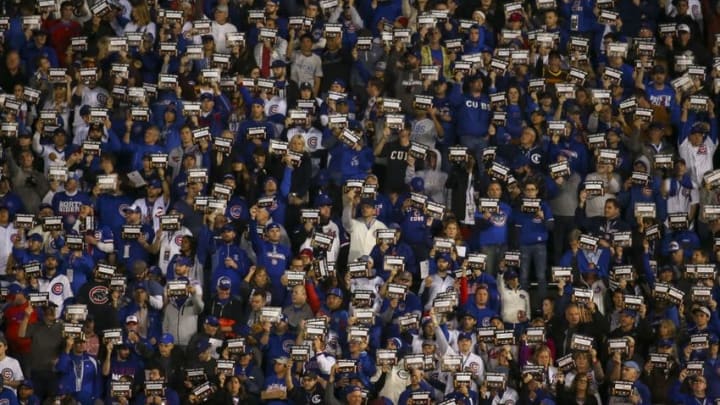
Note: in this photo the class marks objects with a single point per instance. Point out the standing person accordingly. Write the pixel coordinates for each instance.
(79, 372)
(182, 312)
(362, 231)
(533, 229)
(11, 371)
(46, 337)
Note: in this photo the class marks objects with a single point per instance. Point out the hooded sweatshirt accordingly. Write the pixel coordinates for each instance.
(434, 178)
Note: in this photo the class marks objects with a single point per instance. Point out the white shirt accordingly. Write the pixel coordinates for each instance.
(11, 371)
(513, 301)
(699, 158)
(8, 234)
(58, 289)
(170, 243)
(362, 235)
(152, 213)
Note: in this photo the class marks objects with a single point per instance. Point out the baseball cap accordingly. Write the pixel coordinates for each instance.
(515, 17)
(258, 100)
(444, 256)
(704, 310)
(282, 360)
(336, 292)
(223, 8)
(380, 66)
(367, 201)
(673, 247)
(272, 226)
(306, 86)
(396, 341)
(183, 261)
(417, 184)
(35, 237)
(131, 319)
(207, 38)
(203, 345)
(224, 283)
(167, 339)
(227, 228)
(510, 274)
(15, 289)
(132, 208)
(464, 336)
(155, 183)
(212, 321)
(322, 200)
(683, 28)
(632, 364)
(628, 312)
(658, 69)
(404, 276)
(278, 64)
(26, 384)
(206, 96)
(339, 82)
(665, 343)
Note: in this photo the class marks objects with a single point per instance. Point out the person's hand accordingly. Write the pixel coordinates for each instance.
(683, 375)
(394, 302)
(29, 310)
(191, 289)
(617, 358)
(428, 282)
(410, 161)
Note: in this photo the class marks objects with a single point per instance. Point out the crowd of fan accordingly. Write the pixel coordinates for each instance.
(377, 201)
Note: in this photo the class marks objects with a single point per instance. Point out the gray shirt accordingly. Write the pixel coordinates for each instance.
(46, 344)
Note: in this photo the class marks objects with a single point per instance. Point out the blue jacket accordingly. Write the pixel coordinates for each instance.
(472, 113)
(86, 387)
(531, 229)
(493, 231)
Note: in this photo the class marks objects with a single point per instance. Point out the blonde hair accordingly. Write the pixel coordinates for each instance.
(141, 14)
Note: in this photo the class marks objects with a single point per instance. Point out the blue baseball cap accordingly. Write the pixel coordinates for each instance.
(155, 183)
(632, 364)
(35, 237)
(167, 339)
(141, 286)
(278, 64)
(510, 274)
(206, 96)
(464, 336)
(417, 184)
(258, 100)
(339, 82)
(203, 345)
(336, 292)
(183, 261)
(666, 343)
(272, 226)
(26, 384)
(444, 256)
(628, 312)
(15, 289)
(322, 200)
(224, 283)
(212, 321)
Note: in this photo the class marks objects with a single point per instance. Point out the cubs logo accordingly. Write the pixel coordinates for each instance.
(287, 345)
(179, 239)
(485, 321)
(101, 99)
(236, 211)
(273, 109)
(316, 399)
(598, 290)
(57, 288)
(159, 212)
(99, 295)
(122, 208)
(14, 238)
(7, 374)
(312, 143)
(702, 150)
(535, 158)
(474, 367)
(498, 219)
(403, 374)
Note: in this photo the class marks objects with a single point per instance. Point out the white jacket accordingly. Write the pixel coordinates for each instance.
(7, 235)
(699, 159)
(362, 236)
(513, 302)
(434, 178)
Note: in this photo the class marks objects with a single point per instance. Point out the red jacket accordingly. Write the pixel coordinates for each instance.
(14, 316)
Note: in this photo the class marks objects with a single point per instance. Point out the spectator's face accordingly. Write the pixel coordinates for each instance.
(550, 19)
(165, 349)
(611, 211)
(629, 374)
(309, 383)
(572, 315)
(13, 61)
(698, 385)
(464, 345)
(334, 302)
(306, 44)
(547, 307)
(531, 191)
(223, 294)
(151, 136)
(299, 296)
(274, 235)
(481, 296)
(221, 16)
(257, 302)
(355, 398)
(701, 319)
